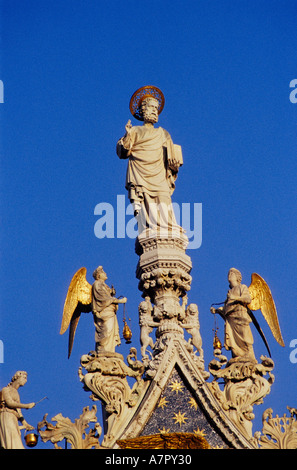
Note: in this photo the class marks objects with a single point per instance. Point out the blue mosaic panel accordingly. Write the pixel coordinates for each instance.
(178, 411)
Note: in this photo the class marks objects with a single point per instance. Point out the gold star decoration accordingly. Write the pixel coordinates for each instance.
(164, 430)
(200, 432)
(176, 386)
(193, 403)
(179, 418)
(162, 403)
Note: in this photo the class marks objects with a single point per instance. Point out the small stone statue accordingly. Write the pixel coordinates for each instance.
(192, 326)
(98, 298)
(147, 324)
(10, 413)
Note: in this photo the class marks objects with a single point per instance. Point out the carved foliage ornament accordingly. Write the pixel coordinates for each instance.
(278, 432)
(106, 379)
(74, 433)
(244, 387)
(166, 279)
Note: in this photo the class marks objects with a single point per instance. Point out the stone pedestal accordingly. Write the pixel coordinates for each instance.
(244, 387)
(164, 268)
(106, 378)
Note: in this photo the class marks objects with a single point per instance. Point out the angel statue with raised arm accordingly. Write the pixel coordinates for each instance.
(11, 414)
(98, 298)
(237, 313)
(153, 164)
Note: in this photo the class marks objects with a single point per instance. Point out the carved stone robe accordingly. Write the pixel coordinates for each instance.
(104, 309)
(238, 334)
(151, 173)
(10, 435)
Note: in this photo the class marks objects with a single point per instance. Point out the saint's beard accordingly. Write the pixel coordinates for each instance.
(150, 117)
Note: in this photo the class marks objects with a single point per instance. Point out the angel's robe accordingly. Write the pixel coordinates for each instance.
(151, 173)
(238, 334)
(10, 435)
(107, 335)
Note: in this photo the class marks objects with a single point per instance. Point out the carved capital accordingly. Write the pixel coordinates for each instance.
(163, 264)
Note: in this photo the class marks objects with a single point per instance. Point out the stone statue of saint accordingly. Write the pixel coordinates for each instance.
(10, 413)
(153, 164)
(98, 299)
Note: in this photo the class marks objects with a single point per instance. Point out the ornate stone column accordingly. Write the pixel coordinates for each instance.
(164, 277)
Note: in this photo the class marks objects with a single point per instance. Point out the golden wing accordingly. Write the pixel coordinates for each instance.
(262, 300)
(78, 299)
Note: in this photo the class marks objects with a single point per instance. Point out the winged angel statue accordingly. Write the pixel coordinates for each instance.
(237, 313)
(97, 298)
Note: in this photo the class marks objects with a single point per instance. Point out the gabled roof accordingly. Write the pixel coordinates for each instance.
(178, 399)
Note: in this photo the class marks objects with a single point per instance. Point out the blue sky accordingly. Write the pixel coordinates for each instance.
(69, 70)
